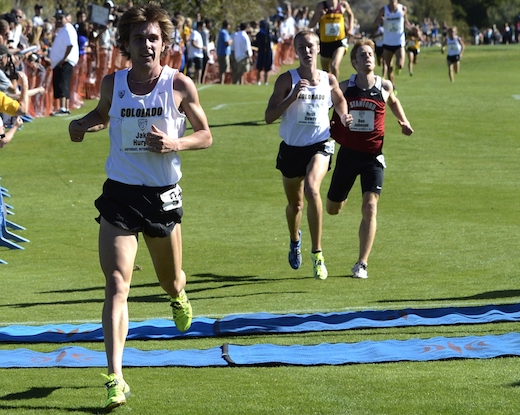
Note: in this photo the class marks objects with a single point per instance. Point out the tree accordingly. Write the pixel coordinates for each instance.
(442, 10)
(233, 10)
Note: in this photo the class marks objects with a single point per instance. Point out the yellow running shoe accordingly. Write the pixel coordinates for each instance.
(118, 391)
(182, 313)
(318, 262)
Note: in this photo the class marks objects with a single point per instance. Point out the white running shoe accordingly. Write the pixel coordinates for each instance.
(359, 270)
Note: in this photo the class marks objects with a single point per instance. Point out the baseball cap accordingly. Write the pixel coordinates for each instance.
(4, 50)
(38, 6)
(60, 13)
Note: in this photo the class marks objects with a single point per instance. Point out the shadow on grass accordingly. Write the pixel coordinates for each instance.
(223, 281)
(488, 295)
(40, 393)
(32, 393)
(257, 123)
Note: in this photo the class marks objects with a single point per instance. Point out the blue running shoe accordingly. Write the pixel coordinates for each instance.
(295, 253)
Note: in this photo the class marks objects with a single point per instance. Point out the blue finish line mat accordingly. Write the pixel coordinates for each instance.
(439, 348)
(419, 350)
(263, 323)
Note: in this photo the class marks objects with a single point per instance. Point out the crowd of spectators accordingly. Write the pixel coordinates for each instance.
(28, 40)
(208, 51)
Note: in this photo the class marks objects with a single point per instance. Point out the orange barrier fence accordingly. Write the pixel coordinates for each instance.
(88, 73)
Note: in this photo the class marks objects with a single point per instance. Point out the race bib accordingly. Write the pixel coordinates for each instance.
(453, 49)
(332, 29)
(134, 134)
(329, 147)
(363, 121)
(134, 130)
(172, 199)
(381, 160)
(308, 113)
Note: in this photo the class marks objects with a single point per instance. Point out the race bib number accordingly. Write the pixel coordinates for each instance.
(329, 147)
(308, 113)
(134, 134)
(381, 160)
(172, 199)
(453, 49)
(363, 121)
(332, 29)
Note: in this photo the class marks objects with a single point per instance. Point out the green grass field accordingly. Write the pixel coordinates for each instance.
(447, 236)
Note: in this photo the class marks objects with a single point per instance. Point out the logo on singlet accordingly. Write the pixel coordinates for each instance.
(316, 97)
(141, 112)
(142, 123)
(362, 104)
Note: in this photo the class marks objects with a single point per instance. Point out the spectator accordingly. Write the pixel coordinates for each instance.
(243, 54)
(17, 30)
(6, 137)
(264, 60)
(64, 55)
(507, 34)
(196, 52)
(475, 35)
(176, 51)
(224, 50)
(37, 18)
(14, 108)
(4, 32)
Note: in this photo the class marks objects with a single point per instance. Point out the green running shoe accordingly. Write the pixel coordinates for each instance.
(182, 313)
(118, 391)
(318, 262)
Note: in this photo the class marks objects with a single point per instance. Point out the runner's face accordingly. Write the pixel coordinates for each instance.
(307, 49)
(145, 45)
(365, 61)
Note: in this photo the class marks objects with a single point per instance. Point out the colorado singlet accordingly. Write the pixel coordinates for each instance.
(131, 118)
(394, 27)
(306, 121)
(453, 46)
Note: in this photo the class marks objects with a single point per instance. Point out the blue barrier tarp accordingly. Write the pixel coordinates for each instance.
(262, 323)
(438, 348)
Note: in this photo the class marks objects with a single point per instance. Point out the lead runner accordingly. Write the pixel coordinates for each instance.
(146, 108)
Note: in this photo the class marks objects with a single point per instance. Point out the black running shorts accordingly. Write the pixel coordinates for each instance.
(137, 208)
(292, 161)
(349, 165)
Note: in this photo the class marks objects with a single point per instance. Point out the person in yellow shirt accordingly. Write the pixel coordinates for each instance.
(334, 31)
(14, 108)
(413, 47)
